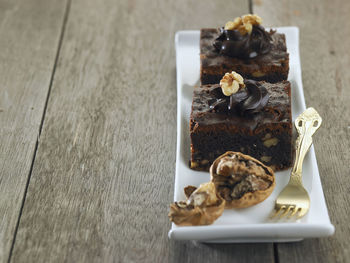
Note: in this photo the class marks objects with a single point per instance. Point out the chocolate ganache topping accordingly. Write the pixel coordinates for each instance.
(249, 100)
(232, 43)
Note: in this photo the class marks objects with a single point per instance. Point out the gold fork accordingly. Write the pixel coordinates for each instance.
(294, 199)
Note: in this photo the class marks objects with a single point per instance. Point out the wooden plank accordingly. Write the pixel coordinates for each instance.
(29, 37)
(103, 177)
(324, 43)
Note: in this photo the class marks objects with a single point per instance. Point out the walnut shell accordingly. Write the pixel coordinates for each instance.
(241, 180)
(203, 207)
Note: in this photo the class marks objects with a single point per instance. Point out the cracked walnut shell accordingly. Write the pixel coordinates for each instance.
(241, 180)
(203, 206)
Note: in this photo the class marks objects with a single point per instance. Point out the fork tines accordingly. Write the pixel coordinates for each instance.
(287, 211)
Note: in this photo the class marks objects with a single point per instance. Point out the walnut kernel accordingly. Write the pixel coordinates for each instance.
(232, 25)
(271, 142)
(204, 162)
(244, 24)
(251, 20)
(258, 74)
(194, 164)
(231, 83)
(266, 159)
(205, 193)
(267, 136)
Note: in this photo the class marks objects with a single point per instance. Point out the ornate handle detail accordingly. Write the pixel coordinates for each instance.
(306, 124)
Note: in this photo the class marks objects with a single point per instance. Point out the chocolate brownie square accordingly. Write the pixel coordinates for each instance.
(265, 135)
(271, 67)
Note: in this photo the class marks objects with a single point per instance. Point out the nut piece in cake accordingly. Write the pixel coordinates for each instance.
(203, 206)
(241, 180)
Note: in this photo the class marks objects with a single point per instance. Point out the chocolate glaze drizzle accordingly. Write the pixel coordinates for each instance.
(232, 43)
(249, 100)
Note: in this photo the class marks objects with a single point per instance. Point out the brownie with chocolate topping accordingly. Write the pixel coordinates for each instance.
(260, 55)
(255, 121)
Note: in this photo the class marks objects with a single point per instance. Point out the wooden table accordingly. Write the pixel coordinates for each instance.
(88, 127)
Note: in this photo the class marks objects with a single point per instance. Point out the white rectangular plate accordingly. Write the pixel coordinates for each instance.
(250, 224)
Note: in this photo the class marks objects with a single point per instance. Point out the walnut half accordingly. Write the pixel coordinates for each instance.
(244, 24)
(231, 83)
(241, 180)
(203, 206)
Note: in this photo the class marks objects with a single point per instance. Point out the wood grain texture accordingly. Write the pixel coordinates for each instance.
(103, 177)
(29, 37)
(324, 46)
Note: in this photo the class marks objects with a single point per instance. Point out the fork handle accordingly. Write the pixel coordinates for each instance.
(306, 124)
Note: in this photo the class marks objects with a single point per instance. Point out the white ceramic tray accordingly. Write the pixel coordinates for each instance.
(250, 224)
